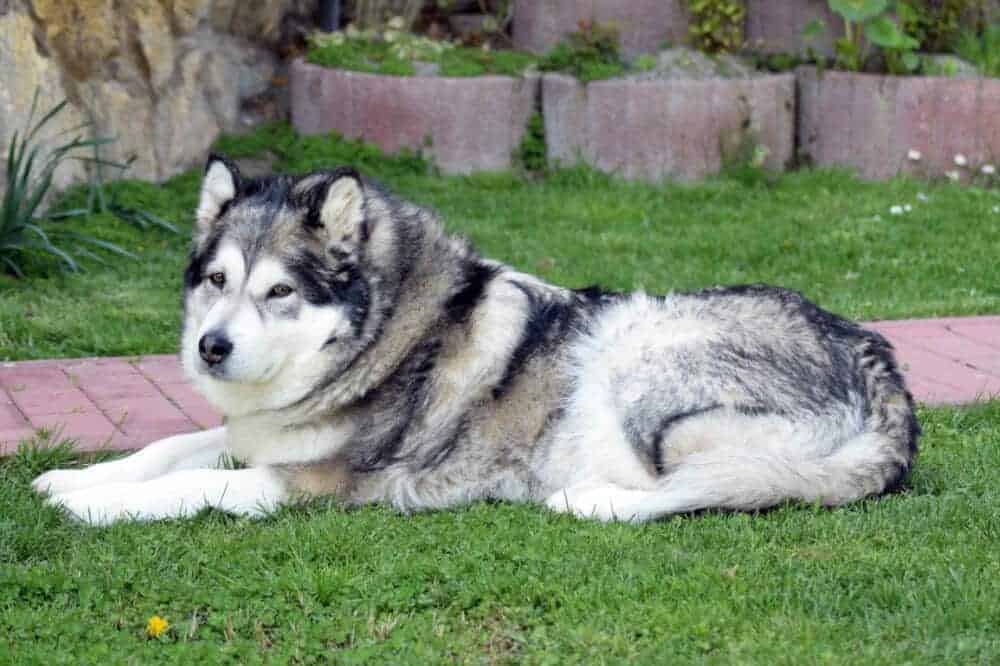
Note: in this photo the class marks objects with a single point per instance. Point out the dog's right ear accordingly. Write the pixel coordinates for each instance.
(218, 189)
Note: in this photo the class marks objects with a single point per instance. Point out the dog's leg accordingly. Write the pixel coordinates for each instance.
(188, 451)
(248, 492)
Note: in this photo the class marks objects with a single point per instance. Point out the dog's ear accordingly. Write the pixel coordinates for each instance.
(335, 208)
(218, 188)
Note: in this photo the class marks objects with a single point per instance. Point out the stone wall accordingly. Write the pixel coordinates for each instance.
(163, 76)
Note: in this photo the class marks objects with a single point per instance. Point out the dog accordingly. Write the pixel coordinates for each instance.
(359, 351)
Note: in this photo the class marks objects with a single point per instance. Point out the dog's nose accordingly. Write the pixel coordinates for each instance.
(214, 347)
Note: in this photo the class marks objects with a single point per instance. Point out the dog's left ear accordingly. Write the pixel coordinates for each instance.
(218, 188)
(335, 207)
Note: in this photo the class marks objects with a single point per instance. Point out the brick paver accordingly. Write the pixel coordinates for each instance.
(125, 403)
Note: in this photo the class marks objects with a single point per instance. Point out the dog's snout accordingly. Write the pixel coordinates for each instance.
(214, 347)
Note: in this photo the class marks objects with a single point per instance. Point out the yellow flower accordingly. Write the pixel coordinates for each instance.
(156, 626)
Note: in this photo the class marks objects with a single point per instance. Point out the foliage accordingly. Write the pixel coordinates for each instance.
(717, 25)
(531, 154)
(589, 53)
(394, 53)
(867, 24)
(30, 169)
(983, 50)
(936, 24)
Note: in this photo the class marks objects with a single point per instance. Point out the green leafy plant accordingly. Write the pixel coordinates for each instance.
(531, 154)
(717, 25)
(982, 50)
(867, 24)
(937, 24)
(31, 167)
(590, 53)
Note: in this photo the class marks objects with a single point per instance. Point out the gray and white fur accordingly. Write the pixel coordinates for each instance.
(359, 351)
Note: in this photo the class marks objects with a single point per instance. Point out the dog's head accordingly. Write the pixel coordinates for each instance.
(279, 287)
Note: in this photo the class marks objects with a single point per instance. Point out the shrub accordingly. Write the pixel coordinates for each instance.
(30, 171)
(717, 25)
(589, 54)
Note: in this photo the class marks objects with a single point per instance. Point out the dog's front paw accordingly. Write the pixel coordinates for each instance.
(94, 506)
(60, 481)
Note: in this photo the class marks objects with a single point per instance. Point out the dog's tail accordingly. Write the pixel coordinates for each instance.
(758, 475)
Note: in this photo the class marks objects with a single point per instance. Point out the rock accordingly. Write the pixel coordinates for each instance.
(163, 77)
(150, 25)
(683, 63)
(946, 64)
(23, 71)
(465, 26)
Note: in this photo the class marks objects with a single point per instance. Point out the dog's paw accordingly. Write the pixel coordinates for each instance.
(604, 503)
(60, 481)
(93, 506)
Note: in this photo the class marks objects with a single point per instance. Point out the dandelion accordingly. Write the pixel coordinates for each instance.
(156, 626)
(988, 169)
(914, 155)
(960, 160)
(953, 175)
(896, 210)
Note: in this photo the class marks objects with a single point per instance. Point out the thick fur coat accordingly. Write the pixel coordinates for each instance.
(359, 351)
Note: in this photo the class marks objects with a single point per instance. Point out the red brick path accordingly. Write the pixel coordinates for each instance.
(126, 403)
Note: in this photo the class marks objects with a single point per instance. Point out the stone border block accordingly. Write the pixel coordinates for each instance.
(678, 129)
(870, 122)
(462, 124)
(775, 26)
(643, 25)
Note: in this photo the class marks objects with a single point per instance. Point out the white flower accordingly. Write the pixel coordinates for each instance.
(953, 175)
(907, 208)
(988, 169)
(896, 210)
(960, 160)
(396, 23)
(922, 197)
(914, 155)
(996, 209)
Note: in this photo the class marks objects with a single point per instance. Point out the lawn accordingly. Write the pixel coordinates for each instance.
(910, 578)
(823, 232)
(913, 577)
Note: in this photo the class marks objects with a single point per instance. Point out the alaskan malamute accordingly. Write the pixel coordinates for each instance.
(359, 351)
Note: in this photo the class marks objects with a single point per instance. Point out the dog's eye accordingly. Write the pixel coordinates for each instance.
(218, 279)
(279, 291)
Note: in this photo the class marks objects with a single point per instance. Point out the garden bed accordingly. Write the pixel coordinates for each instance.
(886, 125)
(682, 129)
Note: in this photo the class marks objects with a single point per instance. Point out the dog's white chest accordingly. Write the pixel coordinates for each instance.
(258, 440)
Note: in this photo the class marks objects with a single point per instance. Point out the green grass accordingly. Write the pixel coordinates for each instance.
(823, 232)
(910, 578)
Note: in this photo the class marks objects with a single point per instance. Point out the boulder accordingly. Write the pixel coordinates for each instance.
(164, 77)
